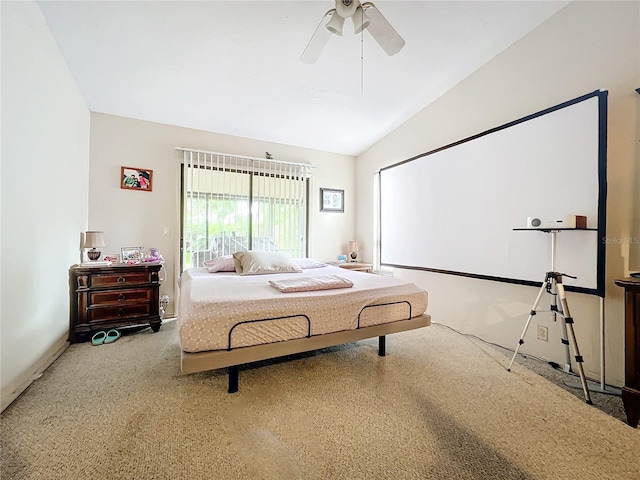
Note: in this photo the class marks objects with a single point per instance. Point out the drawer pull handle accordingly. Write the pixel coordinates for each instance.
(121, 297)
(121, 280)
(121, 312)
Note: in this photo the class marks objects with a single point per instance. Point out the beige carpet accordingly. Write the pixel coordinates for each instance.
(439, 406)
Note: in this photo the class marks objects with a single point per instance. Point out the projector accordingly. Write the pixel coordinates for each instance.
(572, 221)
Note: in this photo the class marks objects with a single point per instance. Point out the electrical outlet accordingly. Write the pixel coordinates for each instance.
(543, 333)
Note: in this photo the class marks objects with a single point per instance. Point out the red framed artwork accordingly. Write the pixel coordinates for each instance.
(134, 178)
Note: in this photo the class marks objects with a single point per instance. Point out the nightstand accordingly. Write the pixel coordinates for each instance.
(116, 296)
(358, 266)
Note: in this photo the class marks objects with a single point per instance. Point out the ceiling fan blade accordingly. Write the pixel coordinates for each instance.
(382, 31)
(318, 40)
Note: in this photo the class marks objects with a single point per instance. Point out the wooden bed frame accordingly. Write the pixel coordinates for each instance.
(233, 358)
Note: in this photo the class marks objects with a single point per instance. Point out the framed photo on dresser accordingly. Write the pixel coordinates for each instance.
(131, 254)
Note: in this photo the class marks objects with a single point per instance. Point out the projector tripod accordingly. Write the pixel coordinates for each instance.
(553, 285)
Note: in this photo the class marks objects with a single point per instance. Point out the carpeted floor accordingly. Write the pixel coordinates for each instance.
(609, 403)
(439, 406)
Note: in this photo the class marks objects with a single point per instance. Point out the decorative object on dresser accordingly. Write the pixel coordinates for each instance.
(631, 389)
(354, 248)
(131, 255)
(93, 239)
(110, 297)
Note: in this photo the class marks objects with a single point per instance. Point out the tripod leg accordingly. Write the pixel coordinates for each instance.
(572, 337)
(526, 325)
(565, 341)
(554, 312)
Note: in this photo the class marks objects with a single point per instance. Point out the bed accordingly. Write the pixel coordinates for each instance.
(230, 318)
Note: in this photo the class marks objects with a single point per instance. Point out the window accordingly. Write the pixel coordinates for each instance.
(377, 267)
(376, 221)
(232, 203)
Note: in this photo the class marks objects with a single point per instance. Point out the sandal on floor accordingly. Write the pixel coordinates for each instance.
(112, 336)
(99, 338)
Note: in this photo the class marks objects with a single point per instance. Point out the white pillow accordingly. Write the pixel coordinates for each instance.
(305, 263)
(220, 264)
(259, 263)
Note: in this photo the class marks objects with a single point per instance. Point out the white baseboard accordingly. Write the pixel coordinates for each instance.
(20, 384)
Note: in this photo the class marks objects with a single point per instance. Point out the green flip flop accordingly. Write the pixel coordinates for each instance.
(112, 336)
(99, 338)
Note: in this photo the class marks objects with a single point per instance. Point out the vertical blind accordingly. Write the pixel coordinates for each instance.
(233, 203)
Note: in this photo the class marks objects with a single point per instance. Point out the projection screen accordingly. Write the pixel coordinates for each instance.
(457, 209)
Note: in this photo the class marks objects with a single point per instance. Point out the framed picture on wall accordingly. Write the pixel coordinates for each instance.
(134, 178)
(331, 200)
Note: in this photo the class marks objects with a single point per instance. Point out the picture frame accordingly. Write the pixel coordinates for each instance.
(131, 254)
(331, 200)
(135, 178)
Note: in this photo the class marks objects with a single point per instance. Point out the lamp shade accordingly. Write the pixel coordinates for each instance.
(353, 246)
(360, 20)
(335, 24)
(93, 239)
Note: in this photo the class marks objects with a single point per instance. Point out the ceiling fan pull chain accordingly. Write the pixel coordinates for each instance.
(362, 56)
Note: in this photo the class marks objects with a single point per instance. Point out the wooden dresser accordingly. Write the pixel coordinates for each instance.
(631, 389)
(117, 296)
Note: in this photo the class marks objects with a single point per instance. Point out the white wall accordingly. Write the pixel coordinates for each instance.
(584, 47)
(130, 218)
(45, 170)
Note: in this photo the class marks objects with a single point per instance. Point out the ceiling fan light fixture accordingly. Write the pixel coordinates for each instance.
(360, 20)
(335, 24)
(363, 15)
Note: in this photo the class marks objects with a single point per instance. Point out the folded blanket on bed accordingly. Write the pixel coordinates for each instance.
(305, 284)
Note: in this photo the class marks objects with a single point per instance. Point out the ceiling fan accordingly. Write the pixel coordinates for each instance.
(365, 16)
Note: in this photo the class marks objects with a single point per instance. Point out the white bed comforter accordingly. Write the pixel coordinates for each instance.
(211, 304)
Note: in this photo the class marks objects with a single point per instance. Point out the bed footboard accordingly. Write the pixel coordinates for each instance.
(234, 370)
(212, 360)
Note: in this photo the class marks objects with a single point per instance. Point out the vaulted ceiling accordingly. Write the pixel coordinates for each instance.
(234, 67)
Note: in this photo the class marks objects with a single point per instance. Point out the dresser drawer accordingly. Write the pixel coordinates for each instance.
(120, 279)
(120, 296)
(97, 314)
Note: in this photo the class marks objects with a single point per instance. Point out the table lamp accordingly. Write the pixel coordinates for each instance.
(354, 248)
(92, 240)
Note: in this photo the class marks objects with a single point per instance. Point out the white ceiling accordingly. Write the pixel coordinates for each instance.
(234, 67)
